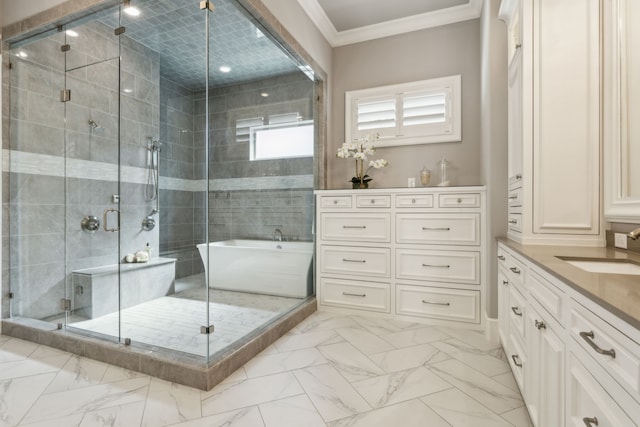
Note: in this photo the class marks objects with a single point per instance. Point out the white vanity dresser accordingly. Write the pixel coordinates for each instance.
(415, 254)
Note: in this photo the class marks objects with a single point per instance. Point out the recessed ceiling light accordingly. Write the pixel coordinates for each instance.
(71, 33)
(264, 94)
(225, 69)
(22, 54)
(130, 10)
(127, 90)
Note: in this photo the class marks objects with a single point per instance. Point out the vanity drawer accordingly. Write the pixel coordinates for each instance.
(517, 309)
(438, 229)
(517, 360)
(357, 261)
(503, 257)
(367, 227)
(438, 266)
(515, 197)
(414, 201)
(373, 201)
(593, 333)
(329, 202)
(439, 303)
(459, 200)
(516, 271)
(548, 295)
(515, 222)
(355, 294)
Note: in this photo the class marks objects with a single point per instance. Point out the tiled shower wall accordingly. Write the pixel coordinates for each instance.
(250, 199)
(39, 202)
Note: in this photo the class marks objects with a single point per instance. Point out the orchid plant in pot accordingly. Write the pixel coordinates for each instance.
(359, 150)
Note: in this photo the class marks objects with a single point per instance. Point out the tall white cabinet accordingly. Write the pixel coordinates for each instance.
(554, 121)
(416, 254)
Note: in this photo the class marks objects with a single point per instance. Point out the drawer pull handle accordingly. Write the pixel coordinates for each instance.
(501, 257)
(436, 266)
(540, 325)
(354, 295)
(513, 221)
(354, 226)
(354, 260)
(515, 270)
(588, 337)
(590, 422)
(516, 360)
(518, 177)
(436, 228)
(335, 202)
(516, 311)
(436, 303)
(413, 201)
(505, 282)
(513, 197)
(373, 201)
(459, 200)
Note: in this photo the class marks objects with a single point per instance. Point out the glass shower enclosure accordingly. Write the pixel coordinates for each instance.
(160, 176)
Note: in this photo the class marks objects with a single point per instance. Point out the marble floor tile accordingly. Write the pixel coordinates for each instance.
(400, 386)
(65, 403)
(117, 416)
(409, 357)
(250, 392)
(314, 338)
(291, 412)
(365, 341)
(27, 367)
(412, 337)
(19, 394)
(482, 388)
(407, 414)
(490, 363)
(169, 403)
(78, 372)
(518, 417)
(461, 410)
(330, 393)
(281, 362)
(330, 370)
(245, 417)
(351, 363)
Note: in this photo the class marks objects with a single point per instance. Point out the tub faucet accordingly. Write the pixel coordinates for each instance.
(277, 235)
(633, 235)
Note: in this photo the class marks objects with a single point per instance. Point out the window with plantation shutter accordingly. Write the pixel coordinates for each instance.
(422, 112)
(243, 127)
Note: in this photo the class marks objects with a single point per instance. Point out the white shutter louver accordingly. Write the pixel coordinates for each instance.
(243, 127)
(424, 109)
(376, 115)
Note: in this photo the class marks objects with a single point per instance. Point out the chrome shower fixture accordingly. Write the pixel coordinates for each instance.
(93, 125)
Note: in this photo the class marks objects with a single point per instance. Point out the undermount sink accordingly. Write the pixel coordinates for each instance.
(604, 265)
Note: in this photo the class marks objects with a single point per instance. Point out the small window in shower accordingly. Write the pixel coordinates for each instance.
(285, 136)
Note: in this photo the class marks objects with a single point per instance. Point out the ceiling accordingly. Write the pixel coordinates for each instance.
(344, 22)
(176, 29)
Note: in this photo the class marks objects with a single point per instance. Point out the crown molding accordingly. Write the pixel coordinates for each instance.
(471, 10)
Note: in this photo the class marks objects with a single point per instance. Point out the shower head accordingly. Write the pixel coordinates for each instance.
(95, 126)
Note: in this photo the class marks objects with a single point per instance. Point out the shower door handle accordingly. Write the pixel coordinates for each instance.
(105, 217)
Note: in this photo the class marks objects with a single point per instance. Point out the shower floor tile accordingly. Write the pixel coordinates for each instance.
(299, 381)
(173, 322)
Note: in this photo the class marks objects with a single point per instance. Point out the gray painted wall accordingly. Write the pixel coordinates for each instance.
(436, 52)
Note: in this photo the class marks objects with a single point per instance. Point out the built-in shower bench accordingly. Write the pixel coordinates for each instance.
(96, 289)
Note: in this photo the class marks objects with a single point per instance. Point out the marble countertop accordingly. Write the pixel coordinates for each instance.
(618, 293)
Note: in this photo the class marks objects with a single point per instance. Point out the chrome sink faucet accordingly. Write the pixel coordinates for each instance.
(278, 236)
(633, 235)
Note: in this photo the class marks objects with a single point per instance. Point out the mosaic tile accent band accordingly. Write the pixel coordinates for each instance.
(43, 164)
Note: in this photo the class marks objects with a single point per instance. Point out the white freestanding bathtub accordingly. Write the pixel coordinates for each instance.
(259, 266)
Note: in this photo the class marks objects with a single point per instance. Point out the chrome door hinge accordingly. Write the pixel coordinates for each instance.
(119, 30)
(65, 47)
(10, 295)
(206, 4)
(65, 95)
(65, 304)
(206, 330)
